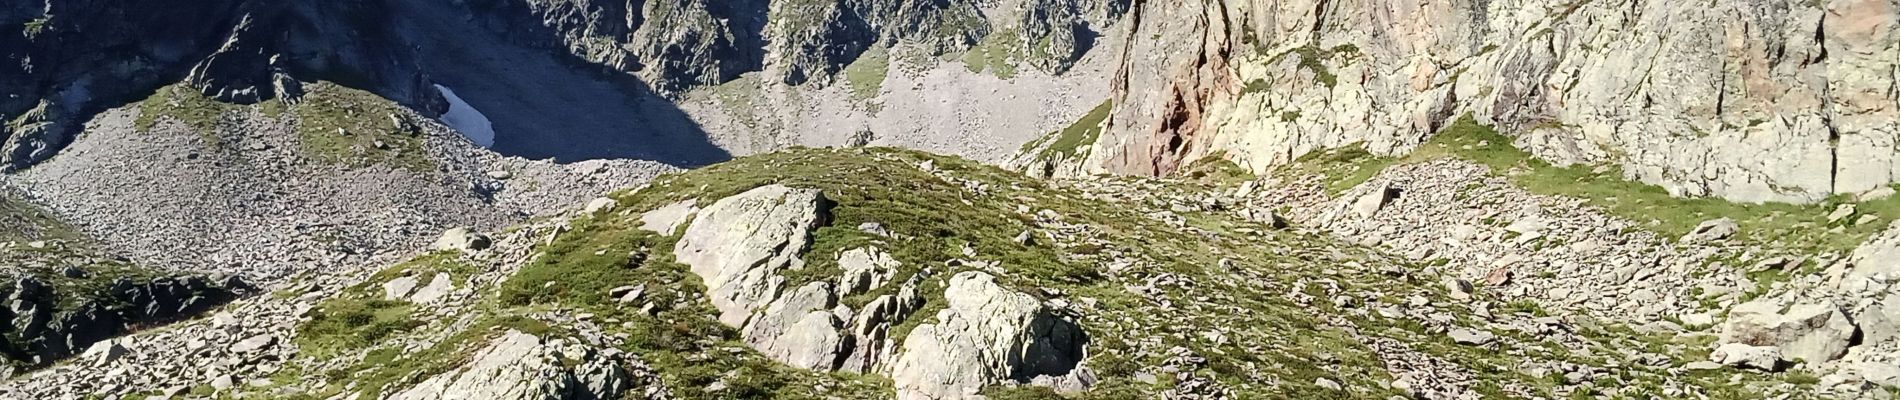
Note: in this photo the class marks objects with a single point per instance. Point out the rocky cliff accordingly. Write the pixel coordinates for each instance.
(72, 59)
(1745, 100)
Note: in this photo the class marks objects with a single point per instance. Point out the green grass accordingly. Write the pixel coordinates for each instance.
(1069, 141)
(184, 105)
(997, 54)
(1343, 168)
(866, 75)
(341, 126)
(349, 324)
(1313, 58)
(1269, 350)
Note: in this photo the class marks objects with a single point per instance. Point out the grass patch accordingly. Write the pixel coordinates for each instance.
(866, 75)
(180, 103)
(353, 128)
(347, 324)
(997, 54)
(1069, 141)
(1343, 168)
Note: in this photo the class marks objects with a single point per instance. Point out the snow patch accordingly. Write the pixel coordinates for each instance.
(467, 120)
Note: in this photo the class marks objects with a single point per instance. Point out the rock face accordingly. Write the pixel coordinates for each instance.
(1715, 86)
(679, 44)
(41, 325)
(741, 245)
(738, 245)
(519, 366)
(79, 57)
(988, 334)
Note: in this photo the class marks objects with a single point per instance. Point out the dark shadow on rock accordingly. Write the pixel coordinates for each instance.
(546, 103)
(1056, 349)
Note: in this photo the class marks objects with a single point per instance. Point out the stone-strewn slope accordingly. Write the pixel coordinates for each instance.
(936, 277)
(1747, 100)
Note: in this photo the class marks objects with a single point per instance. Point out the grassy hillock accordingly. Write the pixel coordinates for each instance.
(1171, 299)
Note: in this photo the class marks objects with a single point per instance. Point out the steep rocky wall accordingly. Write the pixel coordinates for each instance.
(76, 58)
(676, 45)
(1747, 100)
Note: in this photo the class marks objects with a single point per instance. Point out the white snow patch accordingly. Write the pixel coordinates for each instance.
(467, 120)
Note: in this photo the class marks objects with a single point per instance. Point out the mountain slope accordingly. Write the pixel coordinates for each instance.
(924, 272)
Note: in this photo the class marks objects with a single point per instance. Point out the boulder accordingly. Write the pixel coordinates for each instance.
(519, 366)
(438, 287)
(1875, 268)
(254, 343)
(986, 334)
(1711, 230)
(1370, 203)
(1812, 333)
(799, 329)
(104, 353)
(399, 288)
(461, 239)
(1764, 358)
(865, 269)
(600, 204)
(666, 220)
(1471, 337)
(738, 245)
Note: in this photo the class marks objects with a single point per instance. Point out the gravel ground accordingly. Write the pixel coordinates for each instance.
(256, 207)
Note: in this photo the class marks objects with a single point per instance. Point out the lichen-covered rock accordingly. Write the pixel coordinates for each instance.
(520, 366)
(986, 335)
(738, 245)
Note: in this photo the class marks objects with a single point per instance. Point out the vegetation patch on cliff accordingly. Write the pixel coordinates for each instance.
(866, 75)
(1071, 140)
(354, 128)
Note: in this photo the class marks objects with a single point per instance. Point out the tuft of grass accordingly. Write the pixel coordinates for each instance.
(33, 28)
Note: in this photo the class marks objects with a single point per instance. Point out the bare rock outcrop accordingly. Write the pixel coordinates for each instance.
(738, 245)
(1812, 333)
(988, 334)
(1746, 100)
(520, 366)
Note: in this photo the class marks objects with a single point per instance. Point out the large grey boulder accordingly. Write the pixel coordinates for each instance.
(461, 239)
(986, 334)
(800, 329)
(666, 220)
(738, 246)
(520, 366)
(1812, 333)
